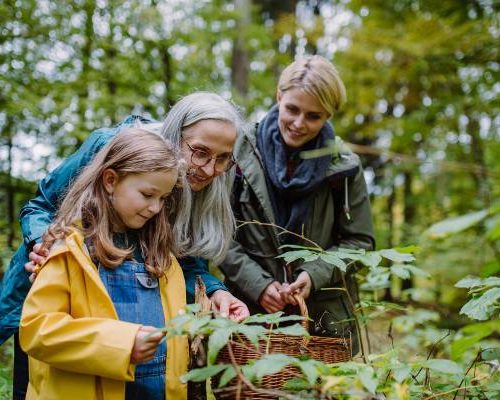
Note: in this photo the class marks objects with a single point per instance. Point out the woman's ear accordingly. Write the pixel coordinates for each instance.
(109, 180)
(278, 96)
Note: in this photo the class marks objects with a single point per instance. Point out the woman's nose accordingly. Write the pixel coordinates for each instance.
(298, 122)
(209, 169)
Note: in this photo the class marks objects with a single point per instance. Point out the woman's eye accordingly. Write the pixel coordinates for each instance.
(147, 195)
(314, 117)
(202, 154)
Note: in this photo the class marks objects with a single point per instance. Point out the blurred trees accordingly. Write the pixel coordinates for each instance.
(422, 81)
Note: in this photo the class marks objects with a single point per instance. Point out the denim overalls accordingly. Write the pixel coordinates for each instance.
(136, 297)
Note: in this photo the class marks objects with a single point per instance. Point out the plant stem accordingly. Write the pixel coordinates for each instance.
(283, 230)
(356, 320)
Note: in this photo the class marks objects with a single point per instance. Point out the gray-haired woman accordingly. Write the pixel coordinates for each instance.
(205, 127)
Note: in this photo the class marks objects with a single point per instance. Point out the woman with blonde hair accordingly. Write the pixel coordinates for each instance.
(323, 199)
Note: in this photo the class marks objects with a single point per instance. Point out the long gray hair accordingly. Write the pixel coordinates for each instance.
(212, 224)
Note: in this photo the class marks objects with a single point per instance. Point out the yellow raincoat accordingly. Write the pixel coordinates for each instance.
(78, 348)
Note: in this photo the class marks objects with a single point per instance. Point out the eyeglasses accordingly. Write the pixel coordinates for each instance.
(200, 158)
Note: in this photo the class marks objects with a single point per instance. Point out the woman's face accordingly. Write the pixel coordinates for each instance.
(208, 139)
(300, 118)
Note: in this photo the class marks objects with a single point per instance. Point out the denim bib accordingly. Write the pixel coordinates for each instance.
(136, 297)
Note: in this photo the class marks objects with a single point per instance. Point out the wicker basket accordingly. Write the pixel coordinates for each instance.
(326, 349)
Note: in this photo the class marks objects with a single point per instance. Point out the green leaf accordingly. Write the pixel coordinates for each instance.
(482, 307)
(368, 379)
(370, 259)
(228, 374)
(252, 332)
(468, 282)
(310, 370)
(491, 354)
(493, 233)
(417, 271)
(396, 256)
(473, 281)
(296, 246)
(444, 366)
(404, 271)
(377, 278)
(491, 268)
(454, 225)
(271, 364)
(199, 323)
(263, 318)
(293, 330)
(291, 256)
(267, 365)
(460, 346)
(347, 252)
(400, 271)
(275, 318)
(408, 249)
(482, 327)
(333, 259)
(202, 374)
(401, 373)
(217, 340)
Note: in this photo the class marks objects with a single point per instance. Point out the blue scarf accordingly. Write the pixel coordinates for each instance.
(290, 196)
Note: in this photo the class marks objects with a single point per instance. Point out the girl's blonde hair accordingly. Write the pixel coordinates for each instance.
(88, 207)
(317, 77)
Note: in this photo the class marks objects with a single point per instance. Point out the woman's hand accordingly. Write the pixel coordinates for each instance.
(301, 286)
(37, 257)
(229, 306)
(271, 299)
(147, 340)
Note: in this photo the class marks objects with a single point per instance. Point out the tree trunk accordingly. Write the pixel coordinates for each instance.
(240, 59)
(409, 218)
(480, 176)
(10, 190)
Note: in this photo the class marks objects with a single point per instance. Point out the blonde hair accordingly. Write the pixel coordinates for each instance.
(87, 206)
(212, 222)
(316, 76)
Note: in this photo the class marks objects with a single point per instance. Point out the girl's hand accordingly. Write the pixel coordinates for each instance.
(302, 286)
(229, 306)
(147, 340)
(37, 257)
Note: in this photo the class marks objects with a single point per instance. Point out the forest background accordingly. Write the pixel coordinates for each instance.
(422, 111)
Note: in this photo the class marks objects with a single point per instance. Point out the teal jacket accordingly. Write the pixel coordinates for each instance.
(339, 216)
(38, 214)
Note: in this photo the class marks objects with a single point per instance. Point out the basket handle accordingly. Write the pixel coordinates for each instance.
(303, 310)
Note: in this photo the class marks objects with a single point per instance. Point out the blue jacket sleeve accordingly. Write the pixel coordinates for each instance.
(193, 266)
(38, 213)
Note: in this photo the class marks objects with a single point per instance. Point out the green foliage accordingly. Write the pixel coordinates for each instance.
(453, 226)
(485, 302)
(6, 360)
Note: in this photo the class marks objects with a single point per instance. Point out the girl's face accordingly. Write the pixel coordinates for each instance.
(207, 140)
(138, 197)
(301, 117)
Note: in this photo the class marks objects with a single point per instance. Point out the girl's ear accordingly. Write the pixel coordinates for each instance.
(109, 180)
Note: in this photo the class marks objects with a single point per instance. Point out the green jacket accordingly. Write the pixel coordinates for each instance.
(251, 264)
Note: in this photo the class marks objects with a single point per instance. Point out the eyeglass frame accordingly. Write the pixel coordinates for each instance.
(231, 161)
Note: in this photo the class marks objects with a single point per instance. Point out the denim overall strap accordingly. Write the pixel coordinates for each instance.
(136, 297)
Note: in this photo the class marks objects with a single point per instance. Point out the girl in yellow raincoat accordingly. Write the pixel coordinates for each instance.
(89, 323)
